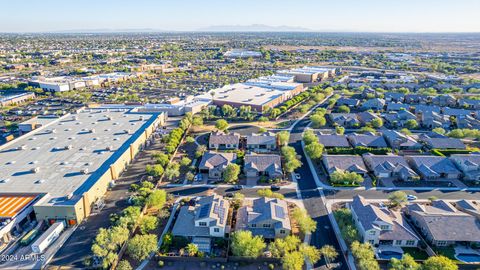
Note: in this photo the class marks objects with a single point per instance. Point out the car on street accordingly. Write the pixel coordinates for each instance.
(274, 188)
(237, 187)
(229, 195)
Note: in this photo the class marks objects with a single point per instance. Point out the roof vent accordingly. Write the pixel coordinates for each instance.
(69, 196)
(84, 171)
(92, 130)
(6, 180)
(127, 131)
(35, 170)
(22, 147)
(53, 131)
(39, 181)
(68, 147)
(109, 148)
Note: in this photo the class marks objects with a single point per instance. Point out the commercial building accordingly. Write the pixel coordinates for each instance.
(6, 100)
(240, 53)
(72, 160)
(310, 74)
(258, 94)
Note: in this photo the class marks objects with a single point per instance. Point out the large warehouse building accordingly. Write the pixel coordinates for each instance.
(259, 94)
(65, 166)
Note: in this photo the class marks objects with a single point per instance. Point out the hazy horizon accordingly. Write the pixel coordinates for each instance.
(368, 16)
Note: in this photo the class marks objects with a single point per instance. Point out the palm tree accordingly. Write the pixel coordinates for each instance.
(192, 249)
(329, 252)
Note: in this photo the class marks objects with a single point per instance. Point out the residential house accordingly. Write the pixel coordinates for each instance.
(202, 221)
(400, 141)
(443, 143)
(266, 217)
(344, 163)
(433, 167)
(350, 102)
(416, 99)
(389, 167)
(263, 165)
(369, 92)
(265, 142)
(419, 109)
(398, 119)
(344, 119)
(366, 117)
(444, 100)
(472, 104)
(455, 112)
(467, 121)
(393, 106)
(444, 225)
(469, 207)
(376, 104)
(432, 120)
(222, 141)
(214, 163)
(367, 140)
(331, 141)
(395, 97)
(469, 164)
(381, 226)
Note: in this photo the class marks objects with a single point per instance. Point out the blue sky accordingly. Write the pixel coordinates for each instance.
(186, 15)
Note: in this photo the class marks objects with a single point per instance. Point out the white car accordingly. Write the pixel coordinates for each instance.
(411, 197)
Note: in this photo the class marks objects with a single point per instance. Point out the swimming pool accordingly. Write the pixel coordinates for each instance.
(468, 257)
(387, 255)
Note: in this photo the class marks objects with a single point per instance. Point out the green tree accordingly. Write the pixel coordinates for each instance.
(314, 150)
(309, 137)
(405, 263)
(304, 221)
(341, 177)
(268, 193)
(318, 121)
(283, 137)
(293, 261)
(274, 113)
(282, 246)
(201, 149)
(291, 162)
(439, 130)
(439, 262)
(107, 242)
(365, 256)
(192, 249)
(124, 265)
(377, 122)
(147, 224)
(161, 158)
(231, 172)
(329, 252)
(406, 131)
(154, 170)
(157, 199)
(185, 162)
(397, 198)
(244, 244)
(197, 121)
(311, 253)
(172, 171)
(411, 124)
(221, 125)
(140, 246)
(339, 130)
(343, 109)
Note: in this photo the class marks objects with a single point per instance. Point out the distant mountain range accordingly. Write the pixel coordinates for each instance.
(253, 28)
(109, 30)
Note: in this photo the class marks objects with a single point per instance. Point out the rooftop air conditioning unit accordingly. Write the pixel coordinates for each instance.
(69, 196)
(109, 148)
(22, 147)
(92, 130)
(84, 171)
(53, 131)
(6, 180)
(35, 170)
(68, 147)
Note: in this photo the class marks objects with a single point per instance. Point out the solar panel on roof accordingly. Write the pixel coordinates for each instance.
(204, 211)
(279, 212)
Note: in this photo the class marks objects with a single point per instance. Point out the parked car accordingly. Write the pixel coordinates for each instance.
(274, 188)
(229, 195)
(237, 187)
(411, 197)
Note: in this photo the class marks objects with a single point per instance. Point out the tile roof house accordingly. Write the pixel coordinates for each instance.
(393, 106)
(366, 117)
(331, 141)
(469, 207)
(344, 163)
(215, 163)
(390, 166)
(467, 121)
(344, 119)
(398, 119)
(220, 140)
(393, 96)
(469, 164)
(433, 167)
(381, 226)
(400, 141)
(366, 140)
(444, 100)
(262, 165)
(207, 218)
(416, 99)
(265, 142)
(455, 112)
(376, 104)
(469, 103)
(267, 217)
(430, 119)
(443, 143)
(444, 225)
(350, 102)
(426, 108)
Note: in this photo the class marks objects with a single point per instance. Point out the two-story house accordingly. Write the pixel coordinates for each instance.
(267, 217)
(381, 226)
(204, 219)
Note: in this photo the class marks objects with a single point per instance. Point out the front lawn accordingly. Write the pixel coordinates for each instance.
(448, 252)
(416, 253)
